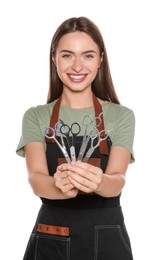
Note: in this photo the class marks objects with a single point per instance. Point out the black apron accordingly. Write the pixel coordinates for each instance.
(87, 227)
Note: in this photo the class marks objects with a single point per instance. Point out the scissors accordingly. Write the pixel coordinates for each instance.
(74, 129)
(52, 136)
(88, 121)
(94, 146)
(57, 129)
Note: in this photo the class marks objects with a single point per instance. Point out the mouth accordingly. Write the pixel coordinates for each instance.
(77, 78)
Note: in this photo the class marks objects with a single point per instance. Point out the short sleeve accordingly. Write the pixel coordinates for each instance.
(124, 131)
(31, 131)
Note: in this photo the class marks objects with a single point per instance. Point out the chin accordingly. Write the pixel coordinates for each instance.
(78, 90)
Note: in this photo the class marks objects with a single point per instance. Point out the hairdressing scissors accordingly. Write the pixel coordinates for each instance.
(74, 129)
(57, 129)
(50, 132)
(87, 122)
(93, 146)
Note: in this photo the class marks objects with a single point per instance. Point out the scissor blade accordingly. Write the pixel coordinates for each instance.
(88, 154)
(73, 155)
(83, 147)
(67, 157)
(63, 151)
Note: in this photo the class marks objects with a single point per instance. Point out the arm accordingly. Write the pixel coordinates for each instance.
(42, 184)
(89, 178)
(113, 180)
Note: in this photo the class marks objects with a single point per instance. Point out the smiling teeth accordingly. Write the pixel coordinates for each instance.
(77, 77)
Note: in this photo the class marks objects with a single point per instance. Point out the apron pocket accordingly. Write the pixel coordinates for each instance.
(48, 247)
(112, 242)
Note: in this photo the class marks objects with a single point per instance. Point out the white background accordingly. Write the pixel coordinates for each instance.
(26, 30)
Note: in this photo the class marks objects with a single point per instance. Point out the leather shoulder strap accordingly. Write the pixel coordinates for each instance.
(98, 110)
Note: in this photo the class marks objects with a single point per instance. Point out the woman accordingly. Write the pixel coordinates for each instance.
(80, 216)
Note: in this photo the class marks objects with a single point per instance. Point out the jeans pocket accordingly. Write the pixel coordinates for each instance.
(112, 242)
(48, 247)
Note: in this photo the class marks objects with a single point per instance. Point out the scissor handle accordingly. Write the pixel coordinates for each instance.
(76, 132)
(97, 121)
(103, 136)
(58, 125)
(49, 135)
(87, 120)
(65, 129)
(94, 134)
(100, 114)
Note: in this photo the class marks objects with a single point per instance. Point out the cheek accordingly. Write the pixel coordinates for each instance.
(62, 66)
(61, 70)
(95, 68)
(95, 65)
(94, 72)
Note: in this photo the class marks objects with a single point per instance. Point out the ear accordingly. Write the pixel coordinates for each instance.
(53, 59)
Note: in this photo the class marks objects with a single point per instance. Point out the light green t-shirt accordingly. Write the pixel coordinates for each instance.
(118, 119)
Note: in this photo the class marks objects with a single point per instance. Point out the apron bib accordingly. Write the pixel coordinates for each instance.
(87, 227)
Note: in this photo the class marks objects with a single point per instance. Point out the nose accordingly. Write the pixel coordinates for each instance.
(77, 65)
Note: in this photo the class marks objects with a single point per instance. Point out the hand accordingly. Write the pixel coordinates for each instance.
(63, 182)
(84, 176)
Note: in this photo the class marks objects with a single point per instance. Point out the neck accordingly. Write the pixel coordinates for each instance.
(77, 100)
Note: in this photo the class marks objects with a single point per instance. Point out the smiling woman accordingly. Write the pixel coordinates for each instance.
(80, 216)
(102, 86)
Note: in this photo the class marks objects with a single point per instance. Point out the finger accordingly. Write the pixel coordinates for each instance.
(74, 170)
(67, 188)
(62, 182)
(80, 186)
(71, 193)
(88, 167)
(64, 185)
(62, 167)
(85, 178)
(81, 182)
(60, 175)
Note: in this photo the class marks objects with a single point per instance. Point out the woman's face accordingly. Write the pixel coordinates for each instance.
(77, 60)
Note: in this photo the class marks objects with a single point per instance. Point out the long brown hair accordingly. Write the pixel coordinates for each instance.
(102, 86)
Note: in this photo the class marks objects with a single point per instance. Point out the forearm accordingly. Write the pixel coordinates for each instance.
(111, 185)
(44, 186)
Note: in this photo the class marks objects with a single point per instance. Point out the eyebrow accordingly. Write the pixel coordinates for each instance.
(88, 51)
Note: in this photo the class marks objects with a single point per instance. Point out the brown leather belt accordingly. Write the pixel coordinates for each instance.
(53, 230)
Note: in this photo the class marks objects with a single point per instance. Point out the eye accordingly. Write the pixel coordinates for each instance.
(89, 56)
(66, 56)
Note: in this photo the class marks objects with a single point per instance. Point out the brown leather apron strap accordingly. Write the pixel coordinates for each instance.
(55, 113)
(98, 110)
(54, 117)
